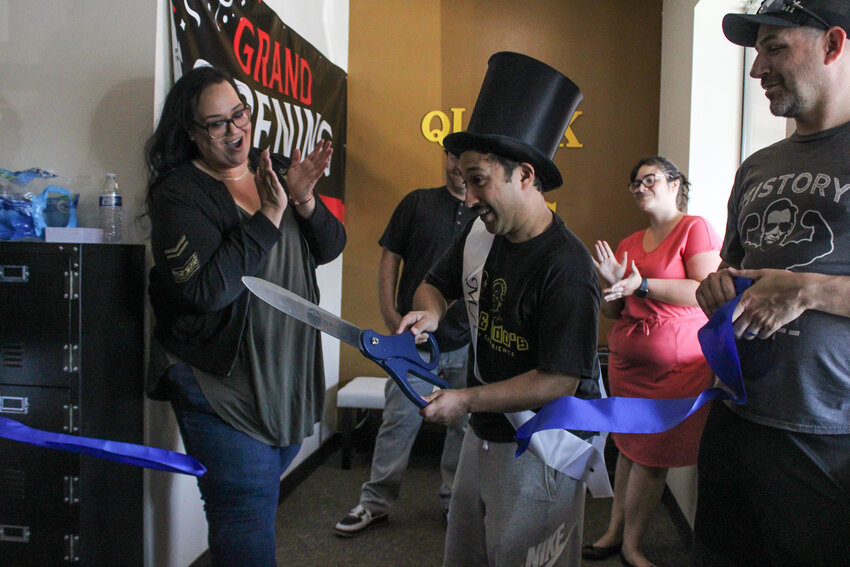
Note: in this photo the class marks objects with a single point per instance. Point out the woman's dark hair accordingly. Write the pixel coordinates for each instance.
(170, 146)
(672, 173)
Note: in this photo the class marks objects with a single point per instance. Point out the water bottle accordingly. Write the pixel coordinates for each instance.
(111, 216)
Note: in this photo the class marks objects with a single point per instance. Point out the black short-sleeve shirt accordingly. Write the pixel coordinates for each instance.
(422, 227)
(539, 310)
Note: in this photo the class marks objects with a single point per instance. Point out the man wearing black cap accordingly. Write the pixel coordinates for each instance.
(774, 473)
(532, 298)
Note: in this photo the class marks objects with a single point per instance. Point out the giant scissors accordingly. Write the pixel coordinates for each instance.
(398, 355)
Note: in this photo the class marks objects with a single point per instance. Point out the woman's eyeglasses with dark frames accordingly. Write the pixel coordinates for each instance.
(218, 129)
(647, 181)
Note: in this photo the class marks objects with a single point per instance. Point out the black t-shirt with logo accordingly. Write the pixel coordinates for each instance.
(539, 309)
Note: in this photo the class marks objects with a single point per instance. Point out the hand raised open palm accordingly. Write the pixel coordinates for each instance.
(304, 173)
(606, 263)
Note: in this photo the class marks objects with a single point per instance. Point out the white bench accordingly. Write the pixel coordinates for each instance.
(357, 396)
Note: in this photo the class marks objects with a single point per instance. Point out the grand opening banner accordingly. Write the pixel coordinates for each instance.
(298, 95)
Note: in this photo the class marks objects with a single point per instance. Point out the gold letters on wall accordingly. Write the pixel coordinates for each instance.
(448, 125)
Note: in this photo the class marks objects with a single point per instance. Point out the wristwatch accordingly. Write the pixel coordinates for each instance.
(643, 290)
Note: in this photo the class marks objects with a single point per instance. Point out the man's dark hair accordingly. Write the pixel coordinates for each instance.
(508, 166)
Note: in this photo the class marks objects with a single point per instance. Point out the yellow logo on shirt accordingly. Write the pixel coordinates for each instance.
(491, 327)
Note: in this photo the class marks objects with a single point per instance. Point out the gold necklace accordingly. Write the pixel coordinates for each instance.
(205, 169)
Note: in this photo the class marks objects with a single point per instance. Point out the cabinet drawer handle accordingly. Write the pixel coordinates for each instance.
(14, 274)
(14, 404)
(15, 533)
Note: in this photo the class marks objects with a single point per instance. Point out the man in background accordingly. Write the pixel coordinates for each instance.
(420, 230)
(774, 473)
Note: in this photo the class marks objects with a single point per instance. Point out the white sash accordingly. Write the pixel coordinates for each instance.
(558, 448)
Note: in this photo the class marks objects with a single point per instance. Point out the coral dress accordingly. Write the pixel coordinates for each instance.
(654, 348)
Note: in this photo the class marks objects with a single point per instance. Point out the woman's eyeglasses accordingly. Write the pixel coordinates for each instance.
(647, 181)
(218, 129)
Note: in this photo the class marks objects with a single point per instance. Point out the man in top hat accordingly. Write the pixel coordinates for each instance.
(774, 473)
(533, 300)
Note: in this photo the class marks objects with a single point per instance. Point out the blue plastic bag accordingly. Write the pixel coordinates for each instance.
(16, 217)
(24, 215)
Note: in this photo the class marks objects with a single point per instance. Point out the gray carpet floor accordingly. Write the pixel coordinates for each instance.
(414, 534)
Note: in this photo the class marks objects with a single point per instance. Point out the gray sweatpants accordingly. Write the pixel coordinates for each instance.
(510, 512)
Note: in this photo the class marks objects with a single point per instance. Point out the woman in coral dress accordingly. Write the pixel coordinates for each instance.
(651, 282)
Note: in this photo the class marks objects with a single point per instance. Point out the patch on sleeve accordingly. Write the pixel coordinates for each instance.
(186, 271)
(179, 248)
(174, 254)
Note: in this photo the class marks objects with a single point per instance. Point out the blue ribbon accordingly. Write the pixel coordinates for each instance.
(642, 415)
(127, 453)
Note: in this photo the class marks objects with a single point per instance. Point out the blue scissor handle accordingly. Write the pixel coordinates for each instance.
(398, 355)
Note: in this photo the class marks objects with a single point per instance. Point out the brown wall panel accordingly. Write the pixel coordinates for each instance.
(394, 73)
(409, 58)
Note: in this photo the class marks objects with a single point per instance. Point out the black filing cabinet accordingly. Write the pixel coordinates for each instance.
(71, 361)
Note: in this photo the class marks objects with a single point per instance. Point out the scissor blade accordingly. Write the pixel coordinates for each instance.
(301, 309)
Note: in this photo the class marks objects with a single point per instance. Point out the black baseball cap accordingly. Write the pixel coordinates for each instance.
(742, 29)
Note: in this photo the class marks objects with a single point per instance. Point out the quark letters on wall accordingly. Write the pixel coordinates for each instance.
(298, 95)
(446, 126)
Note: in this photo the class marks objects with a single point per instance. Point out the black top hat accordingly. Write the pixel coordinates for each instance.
(743, 29)
(522, 112)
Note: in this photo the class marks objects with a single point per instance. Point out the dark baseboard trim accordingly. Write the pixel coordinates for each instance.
(683, 528)
(288, 485)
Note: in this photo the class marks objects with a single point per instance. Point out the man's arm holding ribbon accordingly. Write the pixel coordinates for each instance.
(776, 297)
(528, 390)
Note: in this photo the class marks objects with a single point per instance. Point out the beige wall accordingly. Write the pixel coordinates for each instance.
(409, 58)
(75, 94)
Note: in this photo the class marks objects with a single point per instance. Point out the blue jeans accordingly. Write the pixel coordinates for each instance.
(241, 486)
(401, 422)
